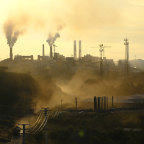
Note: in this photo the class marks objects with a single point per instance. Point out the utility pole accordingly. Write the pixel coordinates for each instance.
(102, 55)
(95, 104)
(126, 43)
(107, 103)
(101, 58)
(24, 132)
(46, 126)
(102, 103)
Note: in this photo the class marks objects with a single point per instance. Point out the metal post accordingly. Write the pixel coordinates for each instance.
(126, 43)
(46, 126)
(101, 59)
(24, 132)
(107, 104)
(95, 104)
(98, 104)
(102, 104)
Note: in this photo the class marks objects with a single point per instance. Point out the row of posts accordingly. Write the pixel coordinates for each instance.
(101, 104)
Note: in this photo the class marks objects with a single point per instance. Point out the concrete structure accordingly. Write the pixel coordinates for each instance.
(75, 50)
(80, 49)
(20, 58)
(44, 58)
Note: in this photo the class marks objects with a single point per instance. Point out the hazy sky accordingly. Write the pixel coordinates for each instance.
(92, 21)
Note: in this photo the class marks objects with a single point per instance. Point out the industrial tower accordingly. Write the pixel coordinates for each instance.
(80, 50)
(101, 58)
(43, 50)
(126, 43)
(75, 50)
(51, 52)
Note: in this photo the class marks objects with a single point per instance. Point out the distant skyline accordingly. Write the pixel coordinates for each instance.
(92, 21)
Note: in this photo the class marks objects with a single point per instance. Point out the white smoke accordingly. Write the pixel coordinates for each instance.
(51, 39)
(11, 34)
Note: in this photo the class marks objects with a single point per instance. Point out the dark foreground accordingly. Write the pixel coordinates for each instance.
(91, 128)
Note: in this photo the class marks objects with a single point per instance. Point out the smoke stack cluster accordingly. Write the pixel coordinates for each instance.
(75, 49)
(51, 40)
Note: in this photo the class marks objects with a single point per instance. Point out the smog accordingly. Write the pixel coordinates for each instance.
(73, 76)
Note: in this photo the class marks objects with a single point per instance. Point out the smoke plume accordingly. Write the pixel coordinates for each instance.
(51, 39)
(14, 27)
(11, 34)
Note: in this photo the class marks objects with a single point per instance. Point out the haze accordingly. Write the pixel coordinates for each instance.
(92, 21)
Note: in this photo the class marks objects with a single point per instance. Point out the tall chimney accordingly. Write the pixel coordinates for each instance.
(80, 52)
(51, 53)
(75, 49)
(43, 51)
(11, 54)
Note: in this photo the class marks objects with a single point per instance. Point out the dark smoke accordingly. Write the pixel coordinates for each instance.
(51, 39)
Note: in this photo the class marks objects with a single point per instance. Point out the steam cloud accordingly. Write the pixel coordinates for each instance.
(51, 39)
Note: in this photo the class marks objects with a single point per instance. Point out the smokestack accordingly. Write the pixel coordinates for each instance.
(75, 49)
(43, 51)
(11, 54)
(51, 53)
(80, 52)
(51, 40)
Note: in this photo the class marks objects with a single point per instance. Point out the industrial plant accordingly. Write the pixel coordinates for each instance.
(55, 91)
(100, 63)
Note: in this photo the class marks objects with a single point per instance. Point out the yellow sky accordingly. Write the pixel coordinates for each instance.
(92, 21)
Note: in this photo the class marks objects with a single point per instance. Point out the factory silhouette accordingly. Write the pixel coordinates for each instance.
(101, 63)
